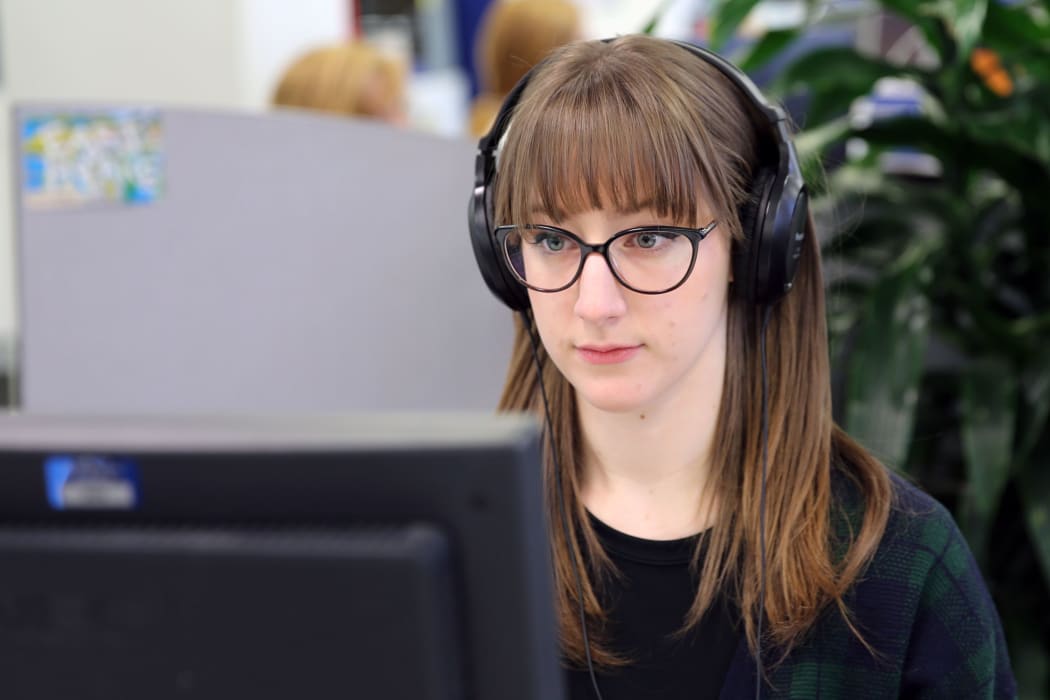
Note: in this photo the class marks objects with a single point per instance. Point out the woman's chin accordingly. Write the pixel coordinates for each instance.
(612, 397)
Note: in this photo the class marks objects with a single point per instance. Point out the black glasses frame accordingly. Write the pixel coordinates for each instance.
(695, 235)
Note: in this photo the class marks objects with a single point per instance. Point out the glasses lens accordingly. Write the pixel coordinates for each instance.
(544, 260)
(652, 260)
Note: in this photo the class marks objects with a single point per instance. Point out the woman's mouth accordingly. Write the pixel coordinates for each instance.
(607, 354)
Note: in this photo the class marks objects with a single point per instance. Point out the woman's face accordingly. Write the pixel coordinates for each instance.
(624, 351)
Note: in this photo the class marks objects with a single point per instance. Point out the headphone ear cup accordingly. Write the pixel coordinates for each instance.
(747, 255)
(487, 254)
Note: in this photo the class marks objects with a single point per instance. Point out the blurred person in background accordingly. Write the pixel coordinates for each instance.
(353, 78)
(514, 36)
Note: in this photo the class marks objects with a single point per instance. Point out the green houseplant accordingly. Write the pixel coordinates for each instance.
(940, 309)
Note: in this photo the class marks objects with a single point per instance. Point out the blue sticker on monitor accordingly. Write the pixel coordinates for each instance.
(91, 482)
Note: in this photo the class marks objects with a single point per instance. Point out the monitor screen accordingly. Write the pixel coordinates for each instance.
(274, 557)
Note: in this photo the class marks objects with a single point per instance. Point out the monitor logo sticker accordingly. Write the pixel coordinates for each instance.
(91, 482)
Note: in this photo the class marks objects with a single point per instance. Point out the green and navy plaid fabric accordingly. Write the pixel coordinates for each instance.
(921, 605)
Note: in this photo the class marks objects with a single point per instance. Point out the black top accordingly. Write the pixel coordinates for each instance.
(647, 606)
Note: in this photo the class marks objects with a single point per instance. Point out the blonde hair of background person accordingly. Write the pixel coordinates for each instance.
(353, 79)
(514, 36)
(863, 585)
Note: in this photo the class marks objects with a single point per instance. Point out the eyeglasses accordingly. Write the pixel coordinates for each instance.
(645, 259)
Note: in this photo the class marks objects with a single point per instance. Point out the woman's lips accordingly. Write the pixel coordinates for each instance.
(607, 354)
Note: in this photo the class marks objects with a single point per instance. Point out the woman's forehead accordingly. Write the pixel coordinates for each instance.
(623, 209)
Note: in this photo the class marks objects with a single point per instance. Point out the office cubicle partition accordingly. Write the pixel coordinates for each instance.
(174, 260)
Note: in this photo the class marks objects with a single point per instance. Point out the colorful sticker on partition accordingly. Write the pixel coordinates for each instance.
(78, 159)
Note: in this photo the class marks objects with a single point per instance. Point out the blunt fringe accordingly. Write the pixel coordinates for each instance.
(640, 123)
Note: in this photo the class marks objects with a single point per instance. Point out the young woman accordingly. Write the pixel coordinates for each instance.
(714, 534)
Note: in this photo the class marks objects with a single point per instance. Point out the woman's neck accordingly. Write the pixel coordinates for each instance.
(646, 473)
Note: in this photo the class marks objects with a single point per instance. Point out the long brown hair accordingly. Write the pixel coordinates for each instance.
(640, 122)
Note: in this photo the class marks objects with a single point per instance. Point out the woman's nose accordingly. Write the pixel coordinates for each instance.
(599, 296)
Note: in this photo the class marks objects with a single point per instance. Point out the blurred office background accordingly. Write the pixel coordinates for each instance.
(925, 134)
(229, 55)
(218, 55)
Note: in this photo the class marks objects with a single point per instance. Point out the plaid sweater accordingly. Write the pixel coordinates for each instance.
(922, 604)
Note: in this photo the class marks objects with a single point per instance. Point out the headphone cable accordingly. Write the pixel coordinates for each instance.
(762, 499)
(576, 565)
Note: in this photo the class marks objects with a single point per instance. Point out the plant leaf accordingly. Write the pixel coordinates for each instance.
(1036, 383)
(914, 132)
(951, 27)
(884, 225)
(922, 15)
(1012, 27)
(989, 404)
(767, 48)
(833, 77)
(1034, 483)
(650, 26)
(885, 365)
(960, 151)
(879, 213)
(966, 25)
(726, 16)
(811, 145)
(1022, 130)
(1028, 655)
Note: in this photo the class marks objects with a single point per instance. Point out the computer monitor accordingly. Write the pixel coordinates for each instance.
(268, 557)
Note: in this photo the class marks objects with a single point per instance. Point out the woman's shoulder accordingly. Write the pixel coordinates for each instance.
(924, 598)
(918, 520)
(915, 517)
(921, 538)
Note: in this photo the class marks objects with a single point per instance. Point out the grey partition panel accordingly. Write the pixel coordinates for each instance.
(293, 262)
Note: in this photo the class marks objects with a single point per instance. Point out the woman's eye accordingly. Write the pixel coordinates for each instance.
(551, 242)
(649, 240)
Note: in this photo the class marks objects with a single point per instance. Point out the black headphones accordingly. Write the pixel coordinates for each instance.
(773, 220)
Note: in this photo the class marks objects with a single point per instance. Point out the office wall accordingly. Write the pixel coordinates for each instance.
(214, 53)
(272, 32)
